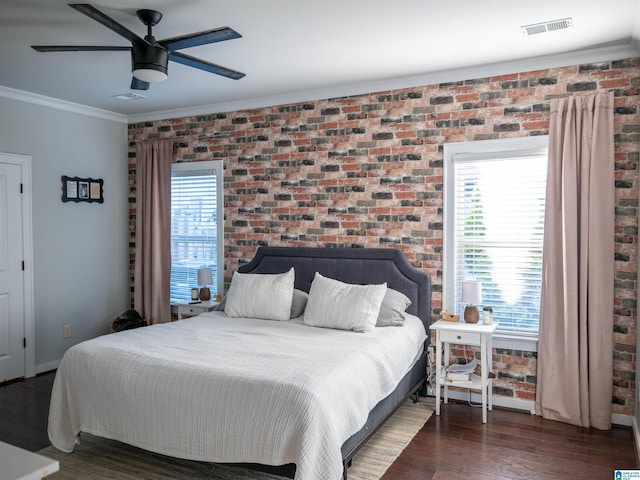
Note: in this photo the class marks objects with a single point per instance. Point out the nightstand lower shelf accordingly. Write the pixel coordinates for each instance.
(475, 384)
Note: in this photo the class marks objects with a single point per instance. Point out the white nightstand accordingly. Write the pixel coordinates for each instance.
(475, 334)
(186, 309)
(19, 464)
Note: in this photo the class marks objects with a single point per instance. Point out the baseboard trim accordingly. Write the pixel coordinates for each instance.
(624, 420)
(47, 367)
(498, 401)
(530, 406)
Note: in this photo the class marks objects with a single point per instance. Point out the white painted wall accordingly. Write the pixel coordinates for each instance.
(81, 252)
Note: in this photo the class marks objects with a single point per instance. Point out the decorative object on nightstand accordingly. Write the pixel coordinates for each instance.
(472, 295)
(444, 315)
(205, 278)
(487, 315)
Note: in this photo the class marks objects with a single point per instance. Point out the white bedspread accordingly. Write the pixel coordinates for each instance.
(218, 389)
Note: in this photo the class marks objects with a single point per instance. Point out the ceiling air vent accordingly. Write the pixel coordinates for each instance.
(544, 27)
(128, 96)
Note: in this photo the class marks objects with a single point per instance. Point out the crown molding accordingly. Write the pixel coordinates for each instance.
(56, 103)
(602, 54)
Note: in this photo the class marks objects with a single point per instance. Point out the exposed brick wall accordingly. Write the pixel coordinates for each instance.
(515, 370)
(366, 171)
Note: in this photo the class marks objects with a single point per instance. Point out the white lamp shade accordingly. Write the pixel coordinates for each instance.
(471, 292)
(204, 276)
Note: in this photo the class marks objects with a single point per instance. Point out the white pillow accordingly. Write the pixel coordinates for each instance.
(344, 306)
(263, 296)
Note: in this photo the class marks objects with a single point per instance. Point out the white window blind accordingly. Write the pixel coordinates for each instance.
(497, 220)
(194, 229)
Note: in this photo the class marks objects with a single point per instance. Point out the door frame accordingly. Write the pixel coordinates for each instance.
(24, 161)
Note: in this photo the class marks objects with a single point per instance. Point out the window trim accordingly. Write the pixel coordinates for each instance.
(501, 147)
(206, 167)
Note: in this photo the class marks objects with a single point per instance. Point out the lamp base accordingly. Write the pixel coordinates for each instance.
(205, 294)
(471, 314)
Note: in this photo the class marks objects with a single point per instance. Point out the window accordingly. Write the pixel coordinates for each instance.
(196, 226)
(494, 219)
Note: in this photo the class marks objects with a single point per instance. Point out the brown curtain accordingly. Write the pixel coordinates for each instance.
(575, 349)
(152, 270)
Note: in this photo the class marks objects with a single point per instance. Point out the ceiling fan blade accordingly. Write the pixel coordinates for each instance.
(206, 66)
(108, 22)
(77, 48)
(139, 84)
(200, 38)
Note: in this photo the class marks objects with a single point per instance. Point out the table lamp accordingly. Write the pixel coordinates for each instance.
(472, 295)
(205, 278)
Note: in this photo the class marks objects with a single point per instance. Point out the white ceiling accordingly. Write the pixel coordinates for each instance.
(295, 50)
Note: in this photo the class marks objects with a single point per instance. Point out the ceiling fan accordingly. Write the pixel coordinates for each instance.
(150, 57)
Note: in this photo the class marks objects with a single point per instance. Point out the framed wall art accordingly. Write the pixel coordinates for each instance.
(76, 189)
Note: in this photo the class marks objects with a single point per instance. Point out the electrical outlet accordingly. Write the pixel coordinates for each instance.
(67, 331)
(431, 352)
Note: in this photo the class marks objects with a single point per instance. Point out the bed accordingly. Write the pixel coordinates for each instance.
(188, 389)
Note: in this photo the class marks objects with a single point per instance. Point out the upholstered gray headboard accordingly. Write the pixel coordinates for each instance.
(350, 265)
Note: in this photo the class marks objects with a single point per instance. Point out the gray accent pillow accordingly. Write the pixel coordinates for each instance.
(220, 306)
(299, 302)
(393, 309)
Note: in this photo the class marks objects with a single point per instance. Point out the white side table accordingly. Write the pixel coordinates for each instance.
(475, 334)
(19, 464)
(186, 309)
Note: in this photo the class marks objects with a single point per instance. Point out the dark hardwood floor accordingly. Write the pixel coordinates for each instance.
(24, 408)
(511, 445)
(454, 446)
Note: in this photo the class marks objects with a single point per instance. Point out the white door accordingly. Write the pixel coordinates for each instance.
(12, 332)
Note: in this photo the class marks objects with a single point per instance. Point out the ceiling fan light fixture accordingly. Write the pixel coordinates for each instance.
(149, 63)
(150, 58)
(150, 74)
